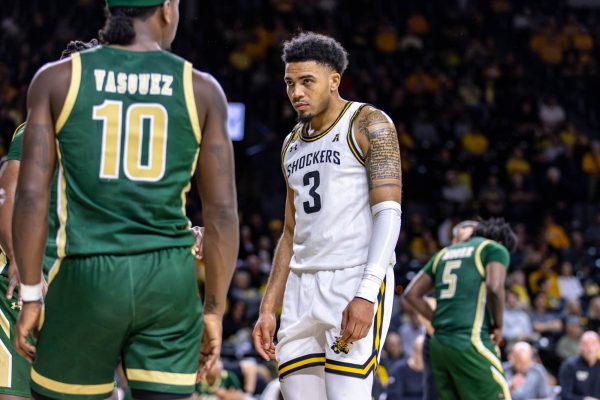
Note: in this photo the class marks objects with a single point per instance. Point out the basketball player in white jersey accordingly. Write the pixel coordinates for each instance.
(332, 269)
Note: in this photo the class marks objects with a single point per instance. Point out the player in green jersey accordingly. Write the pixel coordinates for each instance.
(123, 124)
(14, 369)
(468, 278)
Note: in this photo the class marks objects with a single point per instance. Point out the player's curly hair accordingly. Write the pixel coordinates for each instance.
(498, 230)
(311, 46)
(77, 45)
(118, 28)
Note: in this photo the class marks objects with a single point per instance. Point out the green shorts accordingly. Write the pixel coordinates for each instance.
(14, 369)
(141, 309)
(470, 373)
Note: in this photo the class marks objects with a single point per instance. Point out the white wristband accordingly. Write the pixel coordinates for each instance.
(31, 293)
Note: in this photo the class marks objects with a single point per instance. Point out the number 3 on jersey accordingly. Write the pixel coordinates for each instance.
(312, 179)
(449, 278)
(137, 167)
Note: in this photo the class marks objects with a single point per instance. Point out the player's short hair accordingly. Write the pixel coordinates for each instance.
(118, 28)
(311, 46)
(77, 45)
(498, 230)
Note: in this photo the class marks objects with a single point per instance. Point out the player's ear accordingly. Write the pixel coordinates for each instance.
(334, 81)
(167, 11)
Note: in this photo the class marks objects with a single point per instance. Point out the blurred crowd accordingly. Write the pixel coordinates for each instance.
(497, 112)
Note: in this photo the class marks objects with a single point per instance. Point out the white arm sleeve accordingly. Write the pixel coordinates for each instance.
(387, 218)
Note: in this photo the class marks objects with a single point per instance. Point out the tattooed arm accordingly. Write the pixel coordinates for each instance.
(215, 176)
(377, 139)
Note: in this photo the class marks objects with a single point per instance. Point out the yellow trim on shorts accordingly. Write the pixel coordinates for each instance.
(4, 324)
(289, 368)
(68, 388)
(71, 94)
(501, 380)
(190, 100)
(165, 378)
(478, 261)
(379, 319)
(476, 332)
(360, 370)
(437, 260)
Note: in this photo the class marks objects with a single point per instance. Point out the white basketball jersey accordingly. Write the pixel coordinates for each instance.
(331, 195)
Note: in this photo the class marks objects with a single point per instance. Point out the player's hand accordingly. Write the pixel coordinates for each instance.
(357, 319)
(496, 336)
(198, 247)
(263, 334)
(13, 280)
(210, 347)
(27, 323)
(230, 394)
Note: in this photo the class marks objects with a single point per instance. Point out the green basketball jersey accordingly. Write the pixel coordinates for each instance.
(461, 317)
(50, 256)
(128, 140)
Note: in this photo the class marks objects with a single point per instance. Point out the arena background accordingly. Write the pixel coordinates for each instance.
(496, 107)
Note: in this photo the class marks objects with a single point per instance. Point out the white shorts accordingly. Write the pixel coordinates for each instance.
(311, 318)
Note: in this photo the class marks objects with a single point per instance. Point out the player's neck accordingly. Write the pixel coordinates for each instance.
(146, 38)
(326, 118)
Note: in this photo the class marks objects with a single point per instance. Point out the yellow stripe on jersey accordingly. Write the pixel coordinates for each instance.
(68, 388)
(350, 137)
(166, 378)
(71, 94)
(478, 261)
(501, 380)
(61, 209)
(190, 100)
(437, 260)
(325, 132)
(17, 131)
(476, 331)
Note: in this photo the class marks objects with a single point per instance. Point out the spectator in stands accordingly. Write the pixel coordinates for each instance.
(592, 233)
(569, 286)
(516, 284)
(551, 113)
(393, 351)
(568, 344)
(410, 330)
(527, 379)
(545, 323)
(579, 376)
(590, 164)
(406, 378)
(517, 322)
(594, 314)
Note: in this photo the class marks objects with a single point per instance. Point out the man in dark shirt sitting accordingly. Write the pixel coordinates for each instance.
(579, 376)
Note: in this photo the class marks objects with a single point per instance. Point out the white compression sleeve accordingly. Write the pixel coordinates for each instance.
(387, 218)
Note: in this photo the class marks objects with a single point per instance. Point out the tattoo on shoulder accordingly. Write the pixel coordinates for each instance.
(383, 156)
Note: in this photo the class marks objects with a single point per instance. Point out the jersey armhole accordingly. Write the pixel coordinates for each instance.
(478, 260)
(354, 147)
(190, 100)
(286, 143)
(437, 260)
(71, 94)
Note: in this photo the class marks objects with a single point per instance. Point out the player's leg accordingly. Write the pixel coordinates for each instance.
(429, 391)
(14, 369)
(85, 320)
(160, 355)
(308, 383)
(301, 341)
(442, 361)
(349, 369)
(479, 375)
